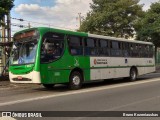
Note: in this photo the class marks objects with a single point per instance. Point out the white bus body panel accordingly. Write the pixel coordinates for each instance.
(117, 67)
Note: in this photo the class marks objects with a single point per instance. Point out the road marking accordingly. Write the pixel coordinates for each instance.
(80, 91)
(119, 107)
(133, 103)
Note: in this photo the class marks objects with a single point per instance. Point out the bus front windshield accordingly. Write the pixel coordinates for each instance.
(24, 52)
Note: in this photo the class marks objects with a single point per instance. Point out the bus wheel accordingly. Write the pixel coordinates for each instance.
(75, 81)
(133, 74)
(48, 86)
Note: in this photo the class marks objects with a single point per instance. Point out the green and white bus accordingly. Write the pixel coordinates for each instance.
(52, 56)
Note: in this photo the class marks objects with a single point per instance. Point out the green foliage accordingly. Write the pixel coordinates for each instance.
(148, 28)
(5, 7)
(112, 17)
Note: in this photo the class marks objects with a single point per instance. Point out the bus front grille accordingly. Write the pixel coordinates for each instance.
(23, 79)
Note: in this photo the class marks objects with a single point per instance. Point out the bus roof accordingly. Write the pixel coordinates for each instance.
(84, 34)
(47, 29)
(63, 31)
(118, 39)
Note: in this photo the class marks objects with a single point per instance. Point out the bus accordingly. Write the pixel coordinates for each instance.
(50, 56)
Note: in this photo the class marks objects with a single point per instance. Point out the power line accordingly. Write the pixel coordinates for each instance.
(17, 19)
(17, 25)
(31, 21)
(22, 20)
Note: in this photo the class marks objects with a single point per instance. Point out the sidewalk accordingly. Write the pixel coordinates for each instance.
(4, 81)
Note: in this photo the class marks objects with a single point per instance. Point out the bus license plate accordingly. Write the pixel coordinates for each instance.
(19, 78)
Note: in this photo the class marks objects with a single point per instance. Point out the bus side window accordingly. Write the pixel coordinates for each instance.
(52, 47)
(133, 50)
(131, 45)
(125, 49)
(75, 45)
(141, 50)
(137, 50)
(120, 49)
(111, 48)
(116, 49)
(103, 48)
(150, 51)
(145, 53)
(90, 47)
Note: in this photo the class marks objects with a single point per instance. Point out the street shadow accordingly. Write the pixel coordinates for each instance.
(92, 84)
(4, 78)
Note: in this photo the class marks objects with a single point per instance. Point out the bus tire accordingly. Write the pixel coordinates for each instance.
(75, 80)
(48, 86)
(133, 74)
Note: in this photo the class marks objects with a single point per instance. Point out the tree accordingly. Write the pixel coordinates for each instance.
(112, 17)
(148, 28)
(5, 7)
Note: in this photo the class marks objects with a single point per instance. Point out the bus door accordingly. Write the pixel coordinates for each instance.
(52, 50)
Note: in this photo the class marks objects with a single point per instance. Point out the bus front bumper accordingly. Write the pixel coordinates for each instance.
(32, 77)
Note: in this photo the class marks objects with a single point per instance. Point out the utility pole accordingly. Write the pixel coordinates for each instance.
(9, 27)
(3, 29)
(3, 57)
(29, 25)
(80, 19)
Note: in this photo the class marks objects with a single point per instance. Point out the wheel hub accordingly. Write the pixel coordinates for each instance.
(133, 74)
(76, 80)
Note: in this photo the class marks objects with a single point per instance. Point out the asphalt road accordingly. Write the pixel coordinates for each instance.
(115, 95)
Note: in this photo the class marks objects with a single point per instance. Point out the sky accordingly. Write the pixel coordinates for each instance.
(53, 13)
